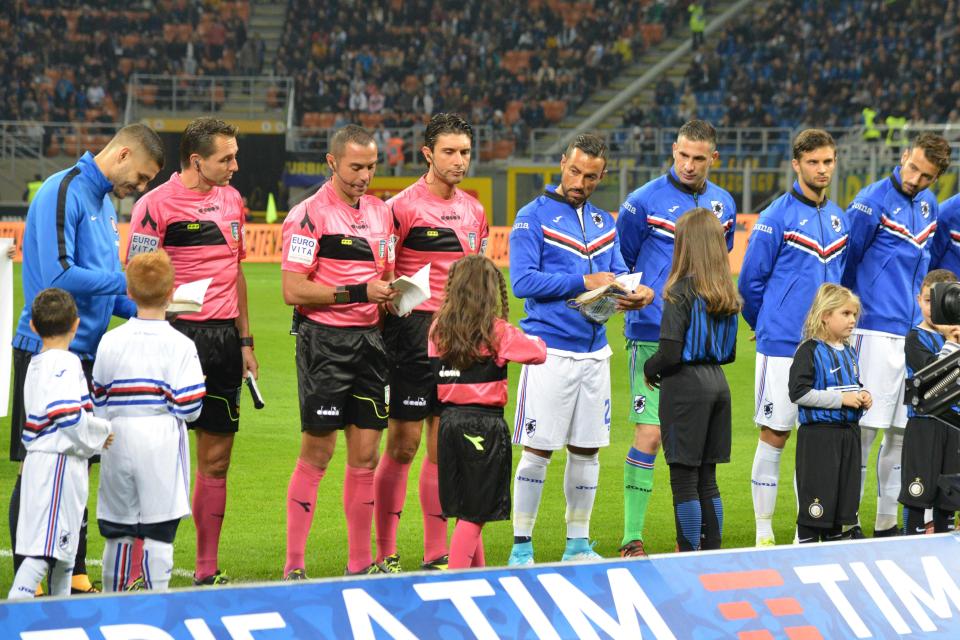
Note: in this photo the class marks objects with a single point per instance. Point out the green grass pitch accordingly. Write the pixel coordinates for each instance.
(253, 542)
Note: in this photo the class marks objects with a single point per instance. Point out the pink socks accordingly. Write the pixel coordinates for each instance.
(358, 508)
(466, 546)
(209, 503)
(390, 492)
(434, 524)
(301, 503)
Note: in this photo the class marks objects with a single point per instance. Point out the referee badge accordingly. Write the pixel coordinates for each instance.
(639, 403)
(235, 230)
(835, 223)
(815, 509)
(382, 250)
(916, 488)
(597, 219)
(472, 240)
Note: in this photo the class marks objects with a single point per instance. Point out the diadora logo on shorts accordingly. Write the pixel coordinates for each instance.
(331, 411)
(415, 402)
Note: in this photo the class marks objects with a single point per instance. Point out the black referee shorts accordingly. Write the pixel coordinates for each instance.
(475, 461)
(412, 388)
(341, 377)
(18, 412)
(695, 420)
(930, 448)
(828, 474)
(218, 346)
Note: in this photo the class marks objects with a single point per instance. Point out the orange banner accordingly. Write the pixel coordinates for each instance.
(265, 242)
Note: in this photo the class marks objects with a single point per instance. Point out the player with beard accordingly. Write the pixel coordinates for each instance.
(892, 223)
(797, 244)
(437, 223)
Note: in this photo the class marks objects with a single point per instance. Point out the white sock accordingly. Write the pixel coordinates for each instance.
(61, 577)
(765, 477)
(580, 489)
(157, 564)
(28, 578)
(527, 489)
(888, 478)
(116, 563)
(927, 516)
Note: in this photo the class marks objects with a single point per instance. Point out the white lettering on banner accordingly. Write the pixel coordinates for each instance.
(74, 633)
(362, 608)
(629, 599)
(198, 629)
(529, 608)
(461, 594)
(875, 591)
(240, 626)
(302, 249)
(134, 632)
(942, 590)
(827, 576)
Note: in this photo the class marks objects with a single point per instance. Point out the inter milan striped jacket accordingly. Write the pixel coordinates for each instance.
(889, 253)
(795, 247)
(819, 375)
(945, 251)
(58, 406)
(645, 227)
(71, 241)
(550, 252)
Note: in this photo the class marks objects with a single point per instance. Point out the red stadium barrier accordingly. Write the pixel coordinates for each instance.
(265, 242)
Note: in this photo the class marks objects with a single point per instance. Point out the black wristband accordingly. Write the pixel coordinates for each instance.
(358, 292)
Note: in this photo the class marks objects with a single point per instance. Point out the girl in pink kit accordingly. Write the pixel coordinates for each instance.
(471, 342)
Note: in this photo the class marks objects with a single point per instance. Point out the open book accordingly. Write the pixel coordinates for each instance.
(188, 297)
(601, 303)
(413, 290)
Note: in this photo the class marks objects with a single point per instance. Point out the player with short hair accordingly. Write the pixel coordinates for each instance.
(436, 223)
(70, 241)
(798, 243)
(338, 260)
(147, 381)
(646, 226)
(560, 247)
(891, 224)
(60, 434)
(930, 448)
(945, 250)
(197, 217)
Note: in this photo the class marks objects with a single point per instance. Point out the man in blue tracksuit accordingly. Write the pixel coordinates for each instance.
(562, 246)
(945, 251)
(892, 223)
(798, 243)
(645, 227)
(71, 241)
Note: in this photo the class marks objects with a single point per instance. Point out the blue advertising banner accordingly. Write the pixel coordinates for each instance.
(858, 589)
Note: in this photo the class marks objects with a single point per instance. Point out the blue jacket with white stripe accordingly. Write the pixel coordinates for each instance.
(645, 226)
(945, 250)
(795, 247)
(889, 253)
(549, 255)
(71, 241)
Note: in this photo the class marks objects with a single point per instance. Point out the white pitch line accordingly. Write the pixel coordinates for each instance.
(93, 562)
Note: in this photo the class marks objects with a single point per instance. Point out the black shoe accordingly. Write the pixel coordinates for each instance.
(856, 533)
(888, 533)
(295, 575)
(217, 579)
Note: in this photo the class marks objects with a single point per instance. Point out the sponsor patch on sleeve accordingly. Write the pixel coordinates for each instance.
(302, 249)
(143, 243)
(483, 247)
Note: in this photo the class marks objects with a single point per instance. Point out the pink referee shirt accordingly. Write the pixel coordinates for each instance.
(485, 383)
(202, 232)
(335, 244)
(431, 229)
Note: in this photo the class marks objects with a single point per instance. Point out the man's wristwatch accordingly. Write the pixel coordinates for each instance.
(246, 341)
(341, 295)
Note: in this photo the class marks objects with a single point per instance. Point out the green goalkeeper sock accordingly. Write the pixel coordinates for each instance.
(637, 487)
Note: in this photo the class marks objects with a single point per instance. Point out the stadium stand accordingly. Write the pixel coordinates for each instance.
(816, 62)
(510, 66)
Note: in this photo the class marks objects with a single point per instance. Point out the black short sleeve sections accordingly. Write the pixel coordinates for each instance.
(433, 239)
(202, 233)
(802, 370)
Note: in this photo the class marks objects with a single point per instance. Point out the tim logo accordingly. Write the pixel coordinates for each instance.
(530, 426)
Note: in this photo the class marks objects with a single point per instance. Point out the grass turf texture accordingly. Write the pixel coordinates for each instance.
(253, 542)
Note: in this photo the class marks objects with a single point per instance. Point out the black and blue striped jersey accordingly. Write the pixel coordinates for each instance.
(818, 366)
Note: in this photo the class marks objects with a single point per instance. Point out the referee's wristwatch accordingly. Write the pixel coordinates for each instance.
(246, 341)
